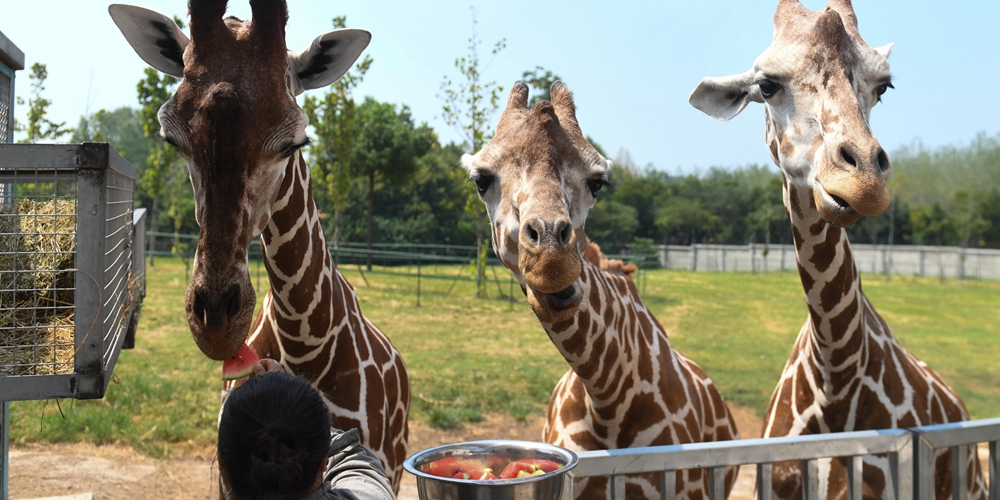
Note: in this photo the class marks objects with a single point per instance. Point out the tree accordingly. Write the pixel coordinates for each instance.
(38, 126)
(686, 214)
(468, 108)
(611, 224)
(541, 80)
(388, 145)
(334, 119)
(122, 128)
(154, 91)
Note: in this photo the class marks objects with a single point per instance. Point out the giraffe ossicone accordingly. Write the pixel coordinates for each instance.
(818, 82)
(626, 387)
(235, 121)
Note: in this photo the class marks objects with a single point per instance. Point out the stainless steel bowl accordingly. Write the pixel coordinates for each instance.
(549, 486)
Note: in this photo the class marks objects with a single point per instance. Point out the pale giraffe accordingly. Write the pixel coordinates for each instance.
(626, 386)
(235, 121)
(818, 82)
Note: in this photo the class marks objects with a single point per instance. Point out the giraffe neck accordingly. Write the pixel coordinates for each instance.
(301, 305)
(837, 305)
(611, 338)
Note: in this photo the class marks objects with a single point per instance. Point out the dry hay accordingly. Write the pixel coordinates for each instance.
(37, 251)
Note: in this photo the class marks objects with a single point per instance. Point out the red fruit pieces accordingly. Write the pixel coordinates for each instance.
(240, 365)
(442, 467)
(544, 465)
(510, 472)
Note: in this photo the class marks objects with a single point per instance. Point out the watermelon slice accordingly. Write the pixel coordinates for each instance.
(541, 464)
(240, 365)
(514, 470)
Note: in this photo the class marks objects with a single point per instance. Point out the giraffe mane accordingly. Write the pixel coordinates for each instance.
(593, 255)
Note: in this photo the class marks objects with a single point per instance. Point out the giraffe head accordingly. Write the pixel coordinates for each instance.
(818, 82)
(235, 122)
(539, 177)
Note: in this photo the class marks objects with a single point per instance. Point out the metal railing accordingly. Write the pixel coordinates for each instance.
(957, 437)
(716, 456)
(910, 454)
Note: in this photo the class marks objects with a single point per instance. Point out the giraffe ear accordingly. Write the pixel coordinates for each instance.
(153, 36)
(724, 97)
(885, 50)
(327, 58)
(469, 161)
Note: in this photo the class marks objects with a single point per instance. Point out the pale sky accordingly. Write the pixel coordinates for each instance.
(631, 65)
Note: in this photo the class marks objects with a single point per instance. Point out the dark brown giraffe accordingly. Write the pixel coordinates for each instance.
(626, 386)
(819, 81)
(235, 121)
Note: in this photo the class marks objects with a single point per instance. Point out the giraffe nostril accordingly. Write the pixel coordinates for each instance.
(565, 234)
(847, 157)
(883, 160)
(232, 301)
(532, 235)
(198, 307)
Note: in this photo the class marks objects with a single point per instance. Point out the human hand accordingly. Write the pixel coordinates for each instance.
(267, 365)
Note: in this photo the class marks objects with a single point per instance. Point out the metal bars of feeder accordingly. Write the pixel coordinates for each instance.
(90, 281)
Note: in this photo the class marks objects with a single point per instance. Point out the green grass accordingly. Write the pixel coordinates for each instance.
(467, 357)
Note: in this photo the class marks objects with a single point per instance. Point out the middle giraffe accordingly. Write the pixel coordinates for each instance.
(626, 386)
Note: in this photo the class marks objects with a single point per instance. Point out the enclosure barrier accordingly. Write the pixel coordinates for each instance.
(418, 261)
(903, 260)
(956, 436)
(910, 453)
(69, 283)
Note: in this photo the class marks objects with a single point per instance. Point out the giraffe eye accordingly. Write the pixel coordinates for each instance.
(881, 89)
(768, 88)
(483, 183)
(595, 185)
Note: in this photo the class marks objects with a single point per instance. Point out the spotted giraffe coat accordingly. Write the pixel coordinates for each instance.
(627, 387)
(847, 372)
(312, 324)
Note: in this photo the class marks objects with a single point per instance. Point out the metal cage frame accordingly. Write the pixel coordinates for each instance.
(105, 301)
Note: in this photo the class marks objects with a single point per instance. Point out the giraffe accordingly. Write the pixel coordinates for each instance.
(235, 121)
(626, 386)
(818, 82)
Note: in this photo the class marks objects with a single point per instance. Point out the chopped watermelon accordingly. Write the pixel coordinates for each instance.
(514, 469)
(442, 467)
(542, 464)
(240, 365)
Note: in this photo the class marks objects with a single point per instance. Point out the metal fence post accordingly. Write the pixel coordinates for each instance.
(11, 60)
(923, 468)
(994, 461)
(418, 280)
(4, 448)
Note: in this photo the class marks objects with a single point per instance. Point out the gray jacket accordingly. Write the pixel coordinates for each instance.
(353, 472)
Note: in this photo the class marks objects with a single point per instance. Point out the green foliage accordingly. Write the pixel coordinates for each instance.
(644, 254)
(611, 224)
(335, 121)
(386, 149)
(38, 127)
(468, 107)
(122, 128)
(541, 80)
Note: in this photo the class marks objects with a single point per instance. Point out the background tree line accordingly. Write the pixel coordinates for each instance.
(379, 176)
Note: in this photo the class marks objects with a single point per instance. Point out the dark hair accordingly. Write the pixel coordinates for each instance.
(273, 436)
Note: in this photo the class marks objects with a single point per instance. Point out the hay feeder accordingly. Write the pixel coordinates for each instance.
(72, 272)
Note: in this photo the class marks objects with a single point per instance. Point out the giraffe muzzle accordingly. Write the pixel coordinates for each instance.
(219, 321)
